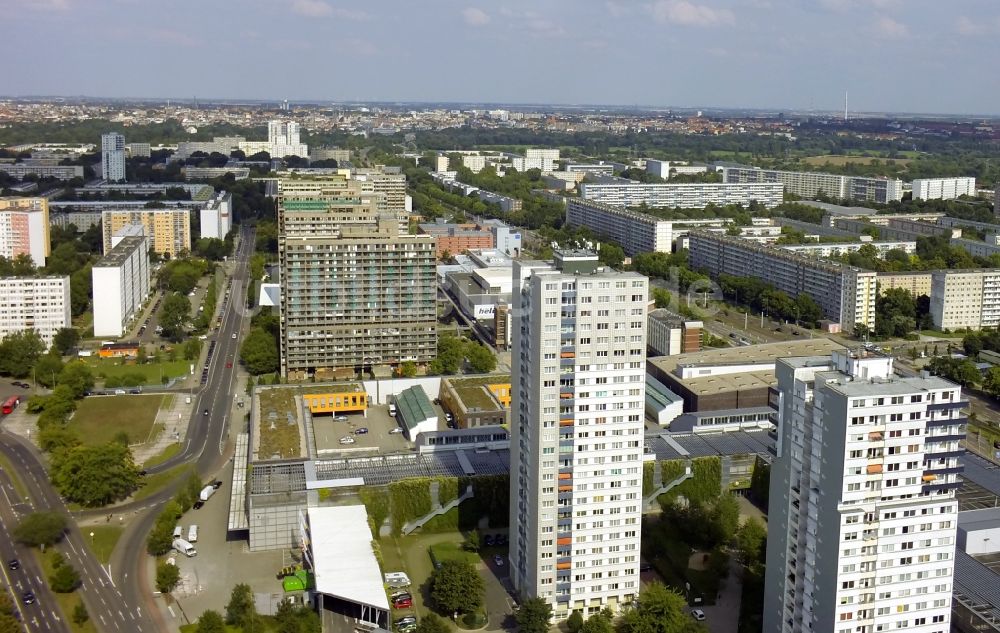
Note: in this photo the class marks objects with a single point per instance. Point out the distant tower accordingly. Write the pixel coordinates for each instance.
(285, 105)
(845, 105)
(113, 157)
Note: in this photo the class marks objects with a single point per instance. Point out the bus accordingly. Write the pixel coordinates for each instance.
(10, 404)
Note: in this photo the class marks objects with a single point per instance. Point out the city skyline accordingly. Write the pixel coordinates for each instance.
(766, 54)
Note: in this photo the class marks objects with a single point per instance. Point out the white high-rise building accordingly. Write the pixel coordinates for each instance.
(863, 515)
(579, 332)
(121, 285)
(34, 303)
(24, 228)
(113, 156)
(943, 188)
(283, 133)
(216, 216)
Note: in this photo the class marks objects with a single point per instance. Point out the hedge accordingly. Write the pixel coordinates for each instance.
(648, 473)
(376, 501)
(410, 499)
(704, 485)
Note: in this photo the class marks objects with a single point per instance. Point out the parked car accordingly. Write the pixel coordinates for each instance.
(361, 431)
(198, 504)
(216, 484)
(395, 430)
(498, 560)
(698, 614)
(13, 564)
(234, 336)
(404, 601)
(488, 540)
(28, 597)
(347, 439)
(500, 540)
(403, 621)
(340, 418)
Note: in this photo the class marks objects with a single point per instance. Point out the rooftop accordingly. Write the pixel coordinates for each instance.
(474, 392)
(986, 519)
(414, 406)
(120, 253)
(343, 559)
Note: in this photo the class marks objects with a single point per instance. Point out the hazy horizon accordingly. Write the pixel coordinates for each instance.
(894, 56)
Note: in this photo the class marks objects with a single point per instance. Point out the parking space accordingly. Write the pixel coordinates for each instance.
(377, 435)
(972, 496)
(208, 578)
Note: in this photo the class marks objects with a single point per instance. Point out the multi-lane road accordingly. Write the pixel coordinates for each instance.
(122, 601)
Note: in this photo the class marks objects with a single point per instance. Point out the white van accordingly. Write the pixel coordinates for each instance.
(178, 532)
(184, 547)
(397, 579)
(193, 534)
(392, 409)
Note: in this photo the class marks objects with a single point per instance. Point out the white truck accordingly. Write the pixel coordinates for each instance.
(184, 547)
(206, 492)
(193, 534)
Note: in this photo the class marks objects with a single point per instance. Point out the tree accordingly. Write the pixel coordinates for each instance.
(296, 619)
(259, 352)
(575, 621)
(19, 351)
(725, 517)
(95, 475)
(77, 377)
(895, 312)
(65, 340)
(472, 541)
(211, 622)
(80, 615)
(167, 577)
(750, 539)
(408, 369)
(457, 587)
(598, 623)
(40, 529)
(662, 298)
(46, 368)
(174, 313)
(991, 383)
(192, 348)
(433, 623)
(64, 578)
(660, 610)
(533, 616)
(241, 608)
(161, 538)
(481, 359)
(861, 331)
(612, 255)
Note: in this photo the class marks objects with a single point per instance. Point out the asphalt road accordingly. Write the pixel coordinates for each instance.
(205, 444)
(43, 615)
(103, 601)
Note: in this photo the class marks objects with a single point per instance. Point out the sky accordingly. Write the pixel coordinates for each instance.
(928, 56)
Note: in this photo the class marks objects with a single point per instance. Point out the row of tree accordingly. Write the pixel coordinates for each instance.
(762, 296)
(241, 612)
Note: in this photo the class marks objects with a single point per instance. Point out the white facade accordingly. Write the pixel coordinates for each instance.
(809, 184)
(659, 168)
(577, 433)
(965, 299)
(943, 188)
(121, 283)
(863, 515)
(113, 156)
(216, 216)
(39, 303)
(282, 140)
(695, 195)
(24, 229)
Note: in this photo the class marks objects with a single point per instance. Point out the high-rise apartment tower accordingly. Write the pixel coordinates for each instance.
(113, 156)
(579, 341)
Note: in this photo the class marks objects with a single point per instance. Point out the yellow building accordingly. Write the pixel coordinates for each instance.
(918, 283)
(168, 229)
(336, 399)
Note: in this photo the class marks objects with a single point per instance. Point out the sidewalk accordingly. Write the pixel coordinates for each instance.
(174, 420)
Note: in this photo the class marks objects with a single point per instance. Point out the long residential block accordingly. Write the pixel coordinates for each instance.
(34, 303)
(121, 281)
(809, 184)
(845, 293)
(965, 298)
(943, 188)
(682, 195)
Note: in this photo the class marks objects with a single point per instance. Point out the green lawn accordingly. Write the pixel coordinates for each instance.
(154, 483)
(277, 436)
(939, 334)
(12, 473)
(104, 540)
(167, 453)
(108, 367)
(452, 551)
(98, 419)
(67, 601)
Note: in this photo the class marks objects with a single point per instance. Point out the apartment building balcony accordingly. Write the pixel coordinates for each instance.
(566, 422)
(874, 469)
(875, 436)
(945, 454)
(951, 437)
(940, 487)
(956, 405)
(937, 423)
(944, 470)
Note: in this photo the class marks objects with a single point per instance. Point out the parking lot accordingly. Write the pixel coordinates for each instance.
(972, 496)
(379, 438)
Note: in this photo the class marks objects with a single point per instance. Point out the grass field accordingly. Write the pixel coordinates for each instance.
(155, 483)
(104, 540)
(840, 161)
(452, 551)
(67, 601)
(99, 419)
(12, 473)
(167, 453)
(109, 367)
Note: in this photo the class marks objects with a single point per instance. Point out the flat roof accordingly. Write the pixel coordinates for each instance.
(344, 563)
(986, 519)
(121, 252)
(744, 355)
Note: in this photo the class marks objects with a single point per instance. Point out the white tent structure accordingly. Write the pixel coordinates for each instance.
(337, 544)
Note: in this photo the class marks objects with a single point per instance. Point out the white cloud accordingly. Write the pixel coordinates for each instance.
(312, 8)
(986, 26)
(890, 28)
(690, 14)
(617, 9)
(475, 17)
